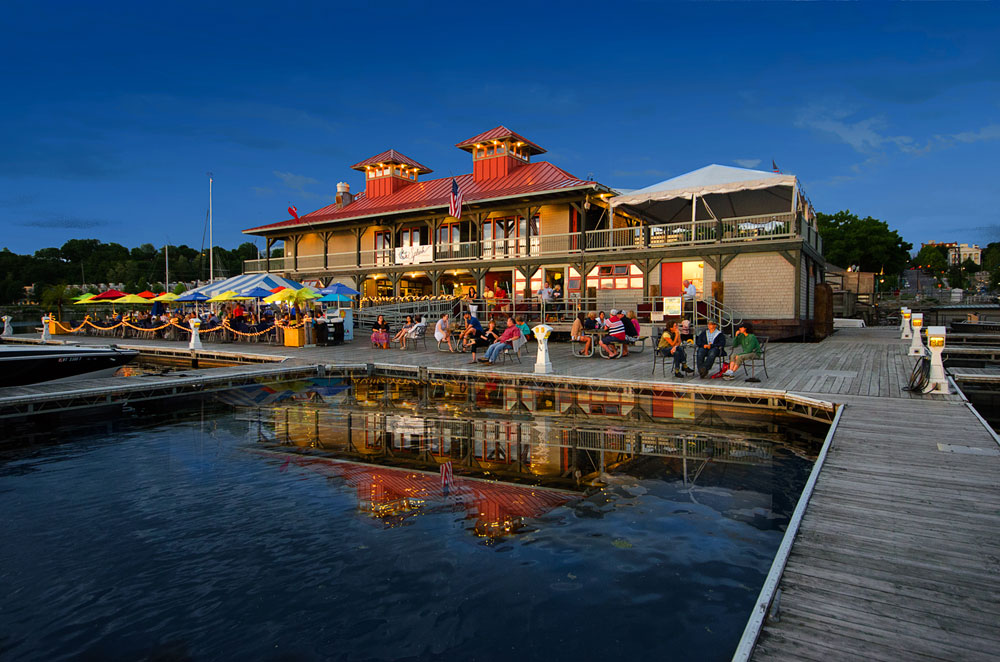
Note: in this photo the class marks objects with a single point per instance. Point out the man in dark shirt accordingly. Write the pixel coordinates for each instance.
(711, 344)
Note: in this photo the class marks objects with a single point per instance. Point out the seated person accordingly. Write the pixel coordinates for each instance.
(670, 344)
(711, 344)
(525, 329)
(400, 336)
(442, 331)
(601, 321)
(745, 346)
(687, 334)
(472, 329)
(591, 322)
(483, 339)
(505, 341)
(615, 336)
(631, 326)
(380, 333)
(577, 334)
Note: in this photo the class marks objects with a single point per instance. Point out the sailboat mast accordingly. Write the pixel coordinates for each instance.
(166, 253)
(211, 243)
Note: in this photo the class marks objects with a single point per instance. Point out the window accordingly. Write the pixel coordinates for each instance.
(409, 237)
(395, 171)
(371, 174)
(480, 153)
(500, 149)
(448, 234)
(489, 151)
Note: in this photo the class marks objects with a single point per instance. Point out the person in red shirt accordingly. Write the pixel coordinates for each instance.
(507, 338)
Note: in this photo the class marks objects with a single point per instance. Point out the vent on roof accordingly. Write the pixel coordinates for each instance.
(344, 196)
(388, 172)
(498, 152)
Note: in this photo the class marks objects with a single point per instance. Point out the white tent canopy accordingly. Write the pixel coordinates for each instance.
(725, 192)
(246, 282)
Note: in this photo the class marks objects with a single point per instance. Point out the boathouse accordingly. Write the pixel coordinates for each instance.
(747, 239)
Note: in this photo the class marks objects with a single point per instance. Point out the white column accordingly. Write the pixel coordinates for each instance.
(8, 331)
(45, 329)
(195, 338)
(543, 366)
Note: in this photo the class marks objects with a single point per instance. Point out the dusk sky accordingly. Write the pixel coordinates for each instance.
(114, 113)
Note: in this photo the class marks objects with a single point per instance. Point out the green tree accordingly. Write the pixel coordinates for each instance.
(932, 260)
(867, 242)
(970, 267)
(991, 256)
(56, 296)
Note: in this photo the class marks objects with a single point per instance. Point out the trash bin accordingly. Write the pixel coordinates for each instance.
(321, 332)
(295, 337)
(336, 332)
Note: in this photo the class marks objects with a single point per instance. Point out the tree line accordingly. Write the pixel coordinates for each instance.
(91, 261)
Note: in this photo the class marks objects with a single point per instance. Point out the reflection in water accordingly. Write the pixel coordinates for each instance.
(398, 432)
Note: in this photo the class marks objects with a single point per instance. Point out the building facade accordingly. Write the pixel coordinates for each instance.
(524, 222)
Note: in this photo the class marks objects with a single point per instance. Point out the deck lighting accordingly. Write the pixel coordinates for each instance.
(917, 342)
(907, 332)
(938, 381)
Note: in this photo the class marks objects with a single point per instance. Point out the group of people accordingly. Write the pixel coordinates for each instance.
(413, 327)
(621, 329)
(710, 344)
(470, 338)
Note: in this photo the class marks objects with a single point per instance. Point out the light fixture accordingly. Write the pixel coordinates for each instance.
(917, 342)
(937, 380)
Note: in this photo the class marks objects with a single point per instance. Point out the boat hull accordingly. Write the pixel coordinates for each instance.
(31, 364)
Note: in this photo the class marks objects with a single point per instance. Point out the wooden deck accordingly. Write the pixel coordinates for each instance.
(897, 555)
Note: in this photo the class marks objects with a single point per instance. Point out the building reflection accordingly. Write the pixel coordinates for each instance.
(391, 435)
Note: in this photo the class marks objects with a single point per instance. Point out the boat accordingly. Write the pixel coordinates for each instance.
(30, 364)
(975, 326)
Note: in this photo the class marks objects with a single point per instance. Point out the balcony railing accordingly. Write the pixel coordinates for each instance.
(766, 227)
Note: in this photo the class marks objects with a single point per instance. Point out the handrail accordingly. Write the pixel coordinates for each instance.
(760, 227)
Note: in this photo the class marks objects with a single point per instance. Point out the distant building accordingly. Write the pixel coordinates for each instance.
(958, 253)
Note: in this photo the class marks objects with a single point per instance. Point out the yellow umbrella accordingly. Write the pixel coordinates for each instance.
(86, 300)
(231, 295)
(169, 296)
(131, 298)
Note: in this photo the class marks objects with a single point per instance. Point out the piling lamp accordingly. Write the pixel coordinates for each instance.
(917, 342)
(937, 381)
(907, 332)
(902, 319)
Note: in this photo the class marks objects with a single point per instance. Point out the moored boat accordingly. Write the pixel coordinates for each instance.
(30, 364)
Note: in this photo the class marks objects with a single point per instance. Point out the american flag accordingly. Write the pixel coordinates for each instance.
(455, 205)
(774, 166)
(446, 476)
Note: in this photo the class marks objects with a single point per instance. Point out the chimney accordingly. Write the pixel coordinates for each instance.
(344, 196)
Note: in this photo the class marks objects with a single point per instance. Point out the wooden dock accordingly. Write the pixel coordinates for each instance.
(896, 554)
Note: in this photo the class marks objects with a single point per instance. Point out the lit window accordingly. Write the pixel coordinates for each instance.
(371, 174)
(480, 153)
(395, 171)
(500, 149)
(489, 151)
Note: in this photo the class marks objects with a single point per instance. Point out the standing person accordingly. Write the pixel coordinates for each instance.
(442, 331)
(504, 341)
(711, 344)
(557, 295)
(745, 346)
(380, 333)
(615, 336)
(671, 345)
(689, 296)
(545, 296)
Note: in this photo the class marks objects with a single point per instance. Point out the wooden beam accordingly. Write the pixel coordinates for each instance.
(790, 257)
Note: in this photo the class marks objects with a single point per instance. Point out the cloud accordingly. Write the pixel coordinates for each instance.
(989, 132)
(295, 182)
(747, 163)
(866, 136)
(66, 223)
(262, 190)
(20, 200)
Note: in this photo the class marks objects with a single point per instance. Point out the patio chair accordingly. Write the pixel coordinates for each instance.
(761, 359)
(514, 351)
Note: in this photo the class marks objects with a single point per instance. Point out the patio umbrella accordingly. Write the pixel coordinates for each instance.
(146, 294)
(166, 296)
(278, 289)
(287, 295)
(257, 293)
(231, 295)
(191, 297)
(83, 297)
(338, 288)
(333, 297)
(108, 294)
(132, 298)
(87, 298)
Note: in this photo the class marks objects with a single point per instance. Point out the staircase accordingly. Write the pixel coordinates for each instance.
(728, 319)
(395, 313)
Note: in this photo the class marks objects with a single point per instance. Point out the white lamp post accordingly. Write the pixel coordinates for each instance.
(195, 338)
(45, 329)
(7, 330)
(938, 381)
(543, 366)
(907, 333)
(917, 342)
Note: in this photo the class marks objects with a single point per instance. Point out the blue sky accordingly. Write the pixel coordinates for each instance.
(115, 112)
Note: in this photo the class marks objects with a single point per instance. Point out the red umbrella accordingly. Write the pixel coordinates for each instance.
(146, 294)
(278, 289)
(109, 294)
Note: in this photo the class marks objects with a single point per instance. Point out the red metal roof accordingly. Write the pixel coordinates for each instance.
(391, 156)
(498, 133)
(528, 179)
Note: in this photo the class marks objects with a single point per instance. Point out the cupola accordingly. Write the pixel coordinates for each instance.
(388, 172)
(498, 152)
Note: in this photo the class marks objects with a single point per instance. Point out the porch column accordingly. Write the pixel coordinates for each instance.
(528, 271)
(433, 225)
(357, 232)
(295, 252)
(647, 266)
(325, 236)
(395, 277)
(435, 277)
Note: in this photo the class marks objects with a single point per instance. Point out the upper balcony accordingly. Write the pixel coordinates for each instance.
(727, 231)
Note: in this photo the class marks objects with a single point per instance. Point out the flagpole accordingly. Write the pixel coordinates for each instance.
(166, 252)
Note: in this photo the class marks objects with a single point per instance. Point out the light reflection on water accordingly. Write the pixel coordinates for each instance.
(238, 533)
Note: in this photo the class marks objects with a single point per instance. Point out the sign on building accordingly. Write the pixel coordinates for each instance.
(672, 306)
(414, 254)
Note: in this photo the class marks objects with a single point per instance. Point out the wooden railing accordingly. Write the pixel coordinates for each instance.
(765, 227)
